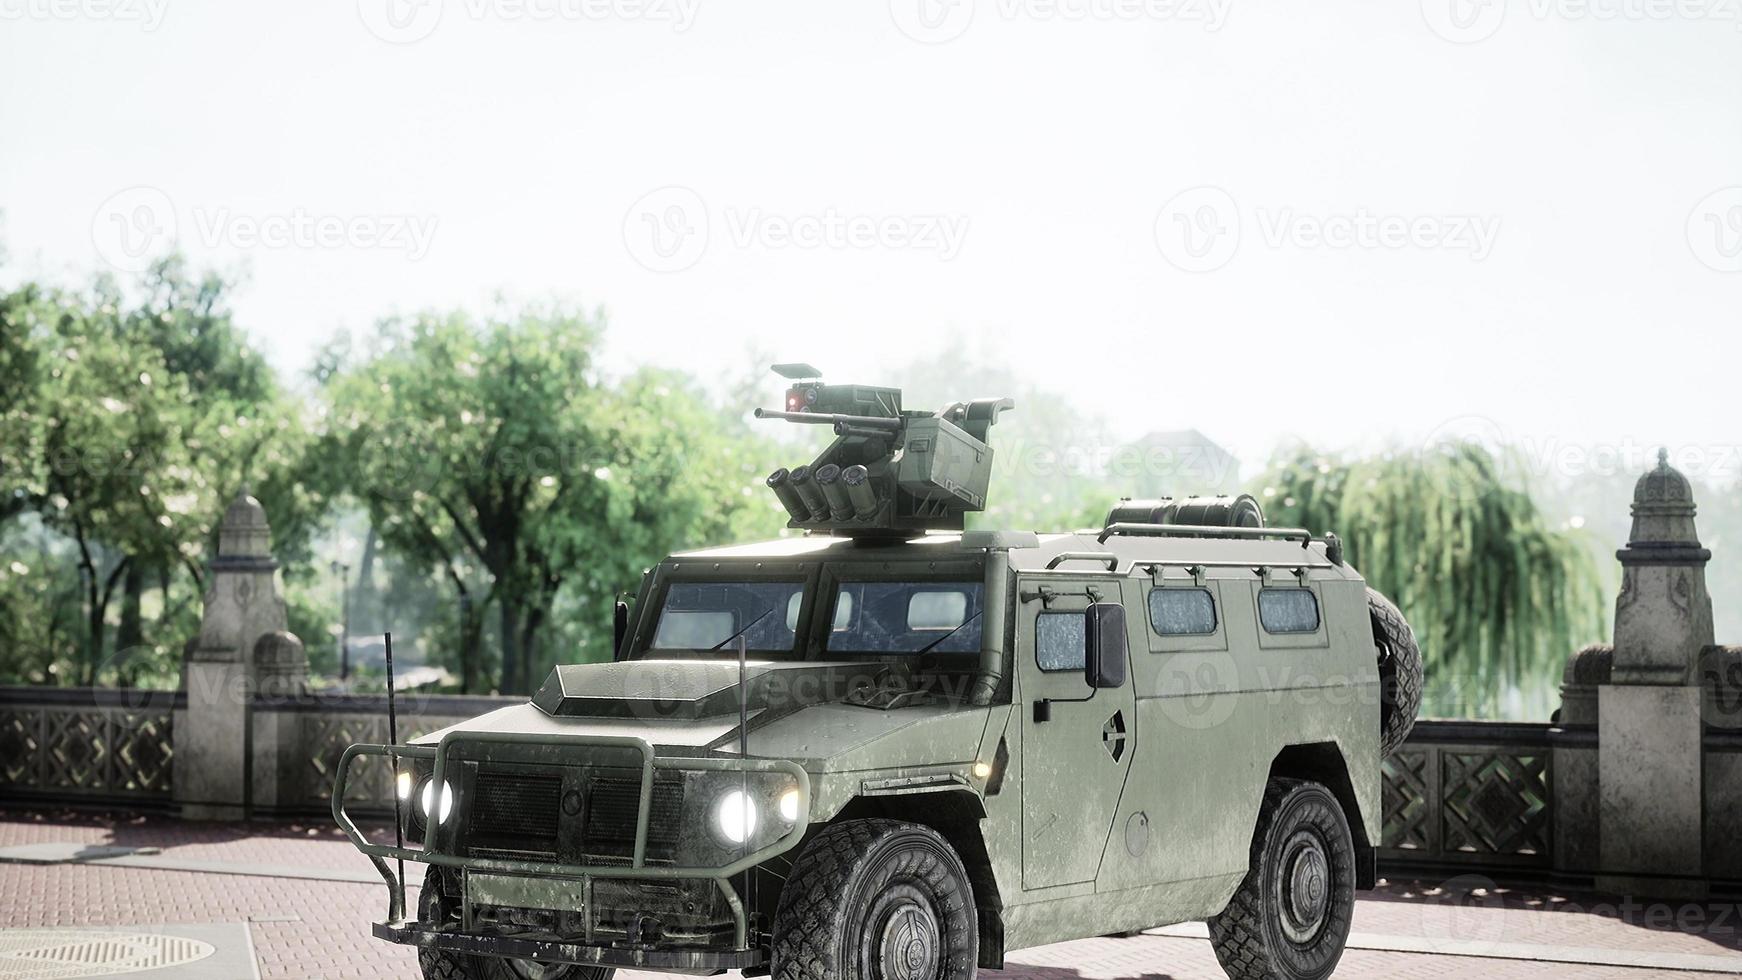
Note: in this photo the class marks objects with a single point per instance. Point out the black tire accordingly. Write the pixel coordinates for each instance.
(1290, 917)
(1399, 673)
(433, 907)
(876, 900)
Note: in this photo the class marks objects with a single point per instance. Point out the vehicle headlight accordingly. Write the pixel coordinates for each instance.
(402, 785)
(789, 805)
(735, 817)
(440, 804)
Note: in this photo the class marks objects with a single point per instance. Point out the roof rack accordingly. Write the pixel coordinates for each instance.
(1200, 531)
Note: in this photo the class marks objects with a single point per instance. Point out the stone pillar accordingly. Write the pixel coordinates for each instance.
(1649, 726)
(280, 668)
(213, 737)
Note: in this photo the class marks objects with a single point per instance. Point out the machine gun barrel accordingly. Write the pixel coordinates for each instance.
(840, 422)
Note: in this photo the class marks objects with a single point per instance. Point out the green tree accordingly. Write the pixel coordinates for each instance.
(493, 450)
(1498, 596)
(130, 416)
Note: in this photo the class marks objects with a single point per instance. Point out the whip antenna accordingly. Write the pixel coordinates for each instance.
(393, 761)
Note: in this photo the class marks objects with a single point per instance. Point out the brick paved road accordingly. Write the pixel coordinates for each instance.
(319, 928)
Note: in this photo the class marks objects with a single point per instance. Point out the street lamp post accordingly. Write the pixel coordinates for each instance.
(343, 571)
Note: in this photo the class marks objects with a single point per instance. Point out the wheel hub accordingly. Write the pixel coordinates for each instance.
(908, 948)
(1305, 886)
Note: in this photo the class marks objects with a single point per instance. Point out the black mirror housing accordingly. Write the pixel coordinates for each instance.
(619, 629)
(1106, 662)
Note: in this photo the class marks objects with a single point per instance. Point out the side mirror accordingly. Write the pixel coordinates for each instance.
(1106, 661)
(619, 629)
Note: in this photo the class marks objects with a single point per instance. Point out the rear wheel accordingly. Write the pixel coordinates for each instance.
(434, 908)
(876, 900)
(1290, 917)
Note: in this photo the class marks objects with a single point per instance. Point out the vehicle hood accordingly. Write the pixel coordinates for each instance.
(804, 711)
(696, 689)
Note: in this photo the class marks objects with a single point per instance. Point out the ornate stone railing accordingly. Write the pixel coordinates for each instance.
(87, 745)
(1458, 795)
(327, 724)
(1471, 793)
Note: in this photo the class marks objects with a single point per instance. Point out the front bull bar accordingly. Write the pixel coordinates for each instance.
(379, 854)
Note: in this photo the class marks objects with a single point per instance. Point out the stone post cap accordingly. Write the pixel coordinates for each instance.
(244, 534)
(1663, 520)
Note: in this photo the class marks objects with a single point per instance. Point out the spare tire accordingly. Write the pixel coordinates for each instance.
(1399, 672)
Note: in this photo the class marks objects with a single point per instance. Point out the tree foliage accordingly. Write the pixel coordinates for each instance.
(129, 417)
(1497, 596)
(494, 451)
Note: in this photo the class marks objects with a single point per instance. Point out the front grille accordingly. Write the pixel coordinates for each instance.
(514, 812)
(612, 805)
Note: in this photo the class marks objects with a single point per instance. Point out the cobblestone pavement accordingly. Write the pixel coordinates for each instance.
(315, 927)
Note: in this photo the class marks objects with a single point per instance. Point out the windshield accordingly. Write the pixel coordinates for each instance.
(705, 615)
(906, 617)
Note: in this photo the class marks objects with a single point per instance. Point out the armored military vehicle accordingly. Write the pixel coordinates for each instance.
(889, 747)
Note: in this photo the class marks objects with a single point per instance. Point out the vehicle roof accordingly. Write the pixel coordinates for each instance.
(1033, 552)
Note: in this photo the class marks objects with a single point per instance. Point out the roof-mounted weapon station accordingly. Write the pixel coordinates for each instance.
(889, 471)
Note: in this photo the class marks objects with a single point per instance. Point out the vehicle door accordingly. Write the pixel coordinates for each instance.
(1077, 748)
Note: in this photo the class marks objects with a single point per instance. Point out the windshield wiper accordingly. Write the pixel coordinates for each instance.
(922, 651)
(741, 631)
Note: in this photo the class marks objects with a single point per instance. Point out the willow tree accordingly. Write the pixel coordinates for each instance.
(1498, 596)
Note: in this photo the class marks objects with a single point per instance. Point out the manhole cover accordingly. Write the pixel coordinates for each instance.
(65, 954)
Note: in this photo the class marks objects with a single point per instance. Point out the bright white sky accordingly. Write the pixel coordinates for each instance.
(1023, 173)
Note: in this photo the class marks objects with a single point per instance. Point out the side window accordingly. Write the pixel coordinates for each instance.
(1182, 612)
(1061, 640)
(1288, 610)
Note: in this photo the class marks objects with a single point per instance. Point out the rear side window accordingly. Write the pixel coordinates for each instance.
(1061, 640)
(1182, 612)
(1288, 611)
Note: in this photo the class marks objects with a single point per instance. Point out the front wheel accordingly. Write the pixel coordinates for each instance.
(435, 909)
(876, 900)
(1290, 917)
